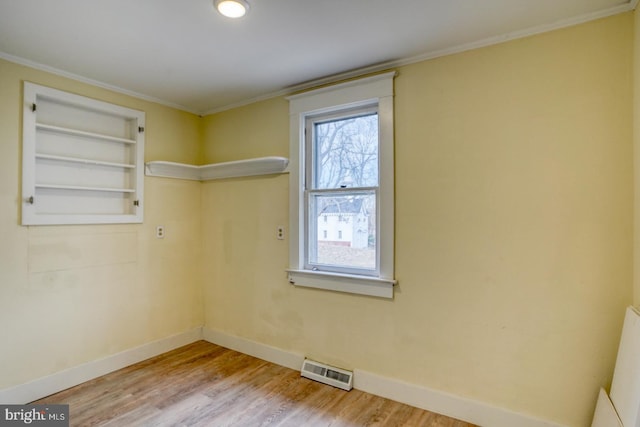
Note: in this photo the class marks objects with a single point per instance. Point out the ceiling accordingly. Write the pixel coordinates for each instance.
(184, 54)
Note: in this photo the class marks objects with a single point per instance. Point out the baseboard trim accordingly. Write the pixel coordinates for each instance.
(271, 354)
(45, 386)
(464, 409)
(421, 397)
(440, 402)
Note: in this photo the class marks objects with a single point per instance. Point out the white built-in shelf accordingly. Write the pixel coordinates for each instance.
(82, 188)
(235, 169)
(81, 133)
(84, 161)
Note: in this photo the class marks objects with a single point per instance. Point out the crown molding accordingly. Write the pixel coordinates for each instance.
(374, 68)
(62, 73)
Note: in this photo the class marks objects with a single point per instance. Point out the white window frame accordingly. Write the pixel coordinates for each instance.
(377, 89)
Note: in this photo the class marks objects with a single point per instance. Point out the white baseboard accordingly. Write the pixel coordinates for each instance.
(443, 403)
(261, 351)
(437, 401)
(42, 387)
(421, 397)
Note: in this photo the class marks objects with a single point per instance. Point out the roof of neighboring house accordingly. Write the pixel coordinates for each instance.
(342, 206)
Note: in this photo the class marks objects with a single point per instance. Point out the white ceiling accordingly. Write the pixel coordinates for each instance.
(182, 53)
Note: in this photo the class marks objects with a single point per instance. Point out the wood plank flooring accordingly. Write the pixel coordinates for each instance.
(203, 384)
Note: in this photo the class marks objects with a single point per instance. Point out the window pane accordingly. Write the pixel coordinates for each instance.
(342, 230)
(346, 152)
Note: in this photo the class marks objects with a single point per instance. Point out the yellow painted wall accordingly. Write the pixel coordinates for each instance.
(636, 152)
(74, 294)
(514, 225)
(245, 268)
(267, 134)
(514, 198)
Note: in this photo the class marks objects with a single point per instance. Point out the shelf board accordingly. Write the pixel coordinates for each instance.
(84, 161)
(235, 169)
(172, 170)
(81, 188)
(75, 132)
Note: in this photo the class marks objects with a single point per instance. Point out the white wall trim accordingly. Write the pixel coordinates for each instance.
(631, 5)
(374, 68)
(527, 32)
(271, 354)
(421, 397)
(438, 401)
(45, 386)
(62, 73)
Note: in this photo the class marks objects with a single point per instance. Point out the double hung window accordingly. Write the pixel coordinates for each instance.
(342, 187)
(341, 191)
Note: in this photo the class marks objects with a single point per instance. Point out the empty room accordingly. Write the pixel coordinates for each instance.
(323, 213)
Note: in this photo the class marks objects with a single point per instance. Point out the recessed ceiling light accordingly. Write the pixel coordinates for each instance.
(232, 8)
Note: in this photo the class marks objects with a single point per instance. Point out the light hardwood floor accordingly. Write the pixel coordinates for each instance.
(203, 384)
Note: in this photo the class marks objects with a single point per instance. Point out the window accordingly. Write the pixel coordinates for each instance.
(341, 178)
(341, 174)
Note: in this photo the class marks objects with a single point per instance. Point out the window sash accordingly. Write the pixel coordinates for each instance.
(311, 189)
(310, 167)
(311, 229)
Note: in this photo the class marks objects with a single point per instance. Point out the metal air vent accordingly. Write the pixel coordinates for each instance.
(326, 374)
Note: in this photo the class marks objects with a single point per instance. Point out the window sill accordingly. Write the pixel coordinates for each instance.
(362, 285)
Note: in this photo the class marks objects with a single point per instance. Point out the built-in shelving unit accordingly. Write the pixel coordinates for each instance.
(235, 169)
(82, 159)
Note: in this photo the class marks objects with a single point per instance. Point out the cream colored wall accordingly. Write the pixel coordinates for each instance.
(245, 266)
(514, 223)
(74, 294)
(266, 134)
(513, 228)
(636, 151)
